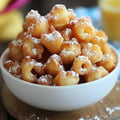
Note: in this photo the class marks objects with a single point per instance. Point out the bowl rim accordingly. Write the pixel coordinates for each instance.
(6, 51)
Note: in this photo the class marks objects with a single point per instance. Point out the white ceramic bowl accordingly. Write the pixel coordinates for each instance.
(60, 98)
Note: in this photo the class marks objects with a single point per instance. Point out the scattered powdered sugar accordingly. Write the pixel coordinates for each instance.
(109, 110)
(112, 110)
(101, 101)
(89, 118)
(117, 89)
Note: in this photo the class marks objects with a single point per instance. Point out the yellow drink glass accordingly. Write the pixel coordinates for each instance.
(110, 11)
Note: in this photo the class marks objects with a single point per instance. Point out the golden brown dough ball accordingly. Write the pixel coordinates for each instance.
(70, 50)
(52, 41)
(96, 73)
(26, 69)
(66, 78)
(92, 51)
(32, 47)
(81, 65)
(54, 65)
(59, 16)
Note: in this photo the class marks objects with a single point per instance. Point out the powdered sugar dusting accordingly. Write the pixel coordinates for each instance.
(105, 57)
(65, 52)
(53, 36)
(34, 51)
(33, 14)
(14, 68)
(74, 74)
(18, 42)
(42, 19)
(31, 27)
(38, 64)
(117, 89)
(112, 110)
(35, 40)
(89, 118)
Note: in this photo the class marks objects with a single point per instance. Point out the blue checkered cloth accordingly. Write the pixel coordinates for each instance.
(95, 15)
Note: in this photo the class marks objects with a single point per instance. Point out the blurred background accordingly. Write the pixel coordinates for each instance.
(44, 6)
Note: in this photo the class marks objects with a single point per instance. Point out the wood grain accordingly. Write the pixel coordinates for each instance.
(106, 109)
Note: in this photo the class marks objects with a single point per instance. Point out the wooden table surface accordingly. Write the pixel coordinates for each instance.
(106, 109)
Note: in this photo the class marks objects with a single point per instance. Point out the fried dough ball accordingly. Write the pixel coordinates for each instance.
(31, 18)
(106, 49)
(83, 29)
(52, 41)
(39, 27)
(21, 35)
(71, 14)
(81, 65)
(32, 47)
(66, 34)
(64, 78)
(26, 69)
(70, 50)
(58, 16)
(39, 68)
(96, 73)
(108, 62)
(54, 65)
(100, 38)
(45, 80)
(15, 49)
(13, 67)
(92, 51)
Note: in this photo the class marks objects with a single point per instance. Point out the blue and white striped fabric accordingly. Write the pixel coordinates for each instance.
(95, 15)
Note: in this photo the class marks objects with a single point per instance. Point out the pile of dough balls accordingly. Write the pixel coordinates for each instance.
(59, 49)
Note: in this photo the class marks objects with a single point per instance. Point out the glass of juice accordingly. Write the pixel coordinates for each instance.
(110, 13)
